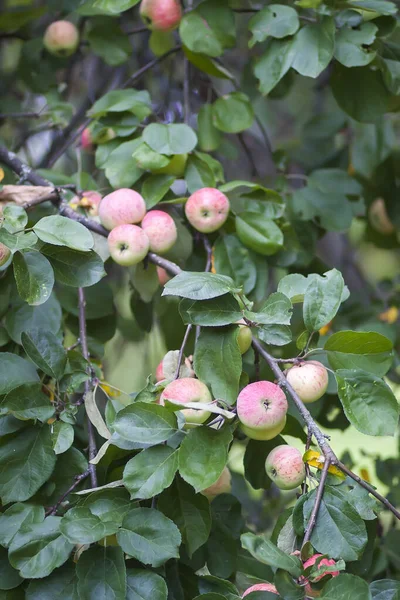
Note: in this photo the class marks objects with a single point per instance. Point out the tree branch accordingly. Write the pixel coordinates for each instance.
(77, 480)
(182, 349)
(317, 503)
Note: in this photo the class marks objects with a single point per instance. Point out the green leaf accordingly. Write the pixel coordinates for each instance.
(385, 589)
(16, 517)
(77, 269)
(277, 310)
(170, 139)
(61, 231)
(80, 526)
(259, 234)
(218, 361)
(147, 535)
(365, 350)
(107, 40)
(346, 587)
(273, 65)
(198, 285)
(368, 402)
(24, 317)
(233, 259)
(352, 45)
(15, 371)
(198, 174)
(144, 423)
(332, 208)
(275, 20)
(20, 241)
(207, 65)
(189, 511)
(39, 548)
(208, 29)
(313, 48)
(382, 7)
(9, 577)
(108, 504)
(102, 574)
(266, 552)
(145, 585)
(15, 218)
(28, 402)
(34, 277)
(60, 585)
(339, 531)
(287, 587)
(155, 187)
(150, 471)
(203, 455)
(46, 351)
(233, 113)
(322, 299)
(137, 102)
(26, 462)
(223, 310)
(148, 160)
(62, 436)
(121, 168)
(209, 136)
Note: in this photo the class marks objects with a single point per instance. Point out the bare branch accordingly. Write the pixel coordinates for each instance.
(182, 349)
(77, 480)
(317, 503)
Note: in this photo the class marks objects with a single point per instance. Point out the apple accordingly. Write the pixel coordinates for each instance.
(176, 166)
(121, 207)
(309, 379)
(161, 230)
(128, 244)
(244, 338)
(327, 562)
(261, 587)
(207, 209)
(61, 38)
(86, 139)
(187, 389)
(91, 200)
(5, 256)
(285, 466)
(262, 408)
(162, 275)
(160, 375)
(161, 15)
(379, 218)
(221, 486)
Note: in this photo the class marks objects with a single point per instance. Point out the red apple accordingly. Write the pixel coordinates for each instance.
(262, 408)
(61, 38)
(221, 486)
(186, 390)
(121, 207)
(128, 244)
(161, 15)
(161, 230)
(285, 466)
(207, 209)
(86, 139)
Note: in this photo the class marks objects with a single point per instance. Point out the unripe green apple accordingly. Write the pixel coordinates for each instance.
(161, 230)
(121, 207)
(186, 390)
(161, 15)
(379, 218)
(285, 466)
(309, 379)
(128, 244)
(176, 166)
(244, 338)
(261, 587)
(223, 485)
(327, 562)
(262, 408)
(207, 209)
(61, 38)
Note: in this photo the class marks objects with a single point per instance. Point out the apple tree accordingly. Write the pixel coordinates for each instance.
(220, 179)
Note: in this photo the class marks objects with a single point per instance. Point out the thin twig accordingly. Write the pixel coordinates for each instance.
(318, 499)
(136, 76)
(182, 349)
(22, 115)
(85, 352)
(77, 480)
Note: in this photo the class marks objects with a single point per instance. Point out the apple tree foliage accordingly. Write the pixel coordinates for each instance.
(290, 109)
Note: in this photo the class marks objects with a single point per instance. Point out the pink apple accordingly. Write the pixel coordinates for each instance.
(161, 15)
(160, 375)
(91, 201)
(327, 562)
(262, 408)
(160, 372)
(121, 207)
(61, 38)
(5, 255)
(221, 486)
(86, 139)
(162, 275)
(128, 244)
(207, 209)
(285, 466)
(261, 587)
(186, 390)
(309, 379)
(161, 230)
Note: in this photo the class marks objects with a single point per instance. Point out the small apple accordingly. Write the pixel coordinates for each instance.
(176, 166)
(121, 207)
(285, 466)
(5, 256)
(61, 38)
(161, 230)
(379, 218)
(244, 338)
(261, 587)
(207, 209)
(309, 379)
(185, 390)
(221, 486)
(162, 275)
(86, 139)
(327, 562)
(262, 408)
(161, 15)
(91, 200)
(188, 371)
(128, 244)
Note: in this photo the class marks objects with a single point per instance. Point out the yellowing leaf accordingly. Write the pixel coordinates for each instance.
(326, 328)
(1, 174)
(390, 315)
(364, 474)
(317, 460)
(109, 391)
